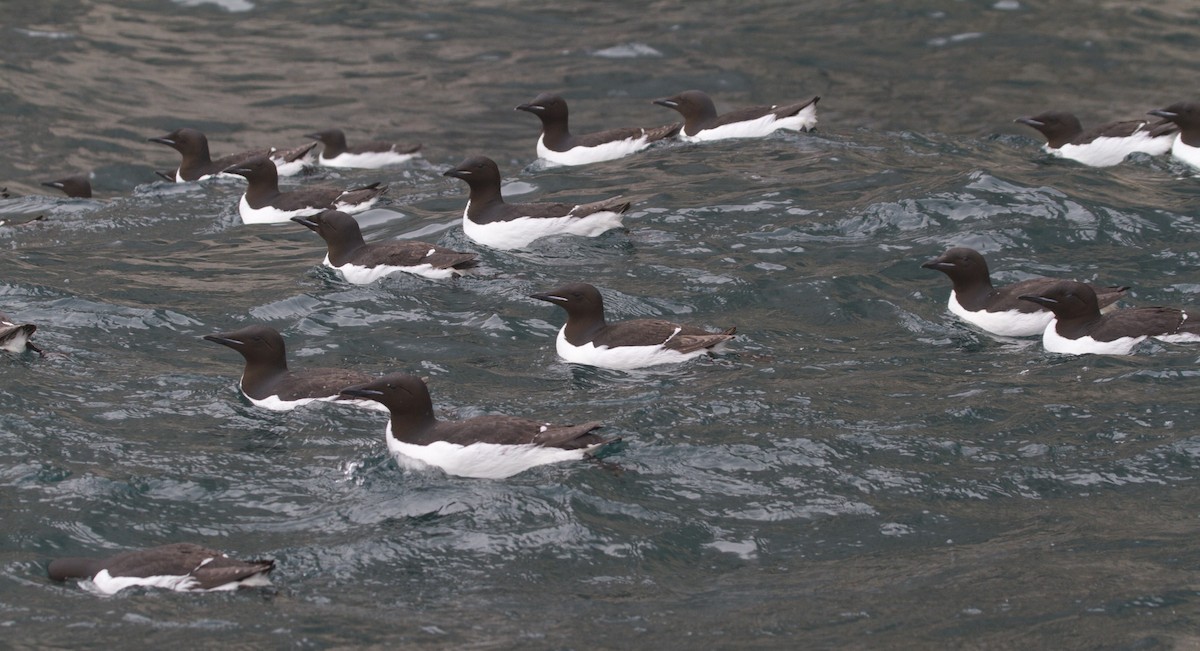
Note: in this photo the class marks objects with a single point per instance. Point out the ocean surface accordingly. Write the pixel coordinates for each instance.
(859, 471)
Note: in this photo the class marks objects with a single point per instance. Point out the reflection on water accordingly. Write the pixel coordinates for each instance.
(859, 465)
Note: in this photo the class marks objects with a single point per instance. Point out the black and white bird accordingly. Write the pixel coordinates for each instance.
(264, 203)
(1079, 328)
(267, 381)
(490, 221)
(76, 187)
(587, 338)
(486, 447)
(361, 263)
(364, 155)
(559, 146)
(999, 311)
(184, 567)
(1102, 146)
(702, 123)
(14, 336)
(197, 164)
(1186, 147)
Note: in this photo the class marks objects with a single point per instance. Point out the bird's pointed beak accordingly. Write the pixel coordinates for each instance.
(162, 140)
(532, 108)
(936, 263)
(553, 298)
(457, 173)
(666, 101)
(305, 221)
(1162, 113)
(1031, 122)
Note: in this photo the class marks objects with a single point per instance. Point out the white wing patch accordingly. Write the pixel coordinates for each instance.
(285, 168)
(354, 208)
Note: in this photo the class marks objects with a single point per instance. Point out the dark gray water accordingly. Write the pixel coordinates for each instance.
(861, 471)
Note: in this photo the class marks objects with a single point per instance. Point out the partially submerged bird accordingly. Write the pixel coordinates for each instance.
(1079, 328)
(76, 187)
(264, 203)
(701, 121)
(587, 338)
(364, 155)
(1185, 147)
(998, 310)
(1102, 146)
(490, 221)
(559, 146)
(267, 381)
(197, 164)
(486, 447)
(362, 263)
(180, 566)
(14, 337)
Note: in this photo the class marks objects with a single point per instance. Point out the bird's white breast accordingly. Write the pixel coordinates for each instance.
(16, 344)
(586, 155)
(1104, 152)
(1057, 343)
(757, 128)
(1185, 152)
(367, 161)
(105, 583)
(478, 460)
(622, 358)
(270, 214)
(275, 403)
(360, 275)
(1011, 323)
(516, 233)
